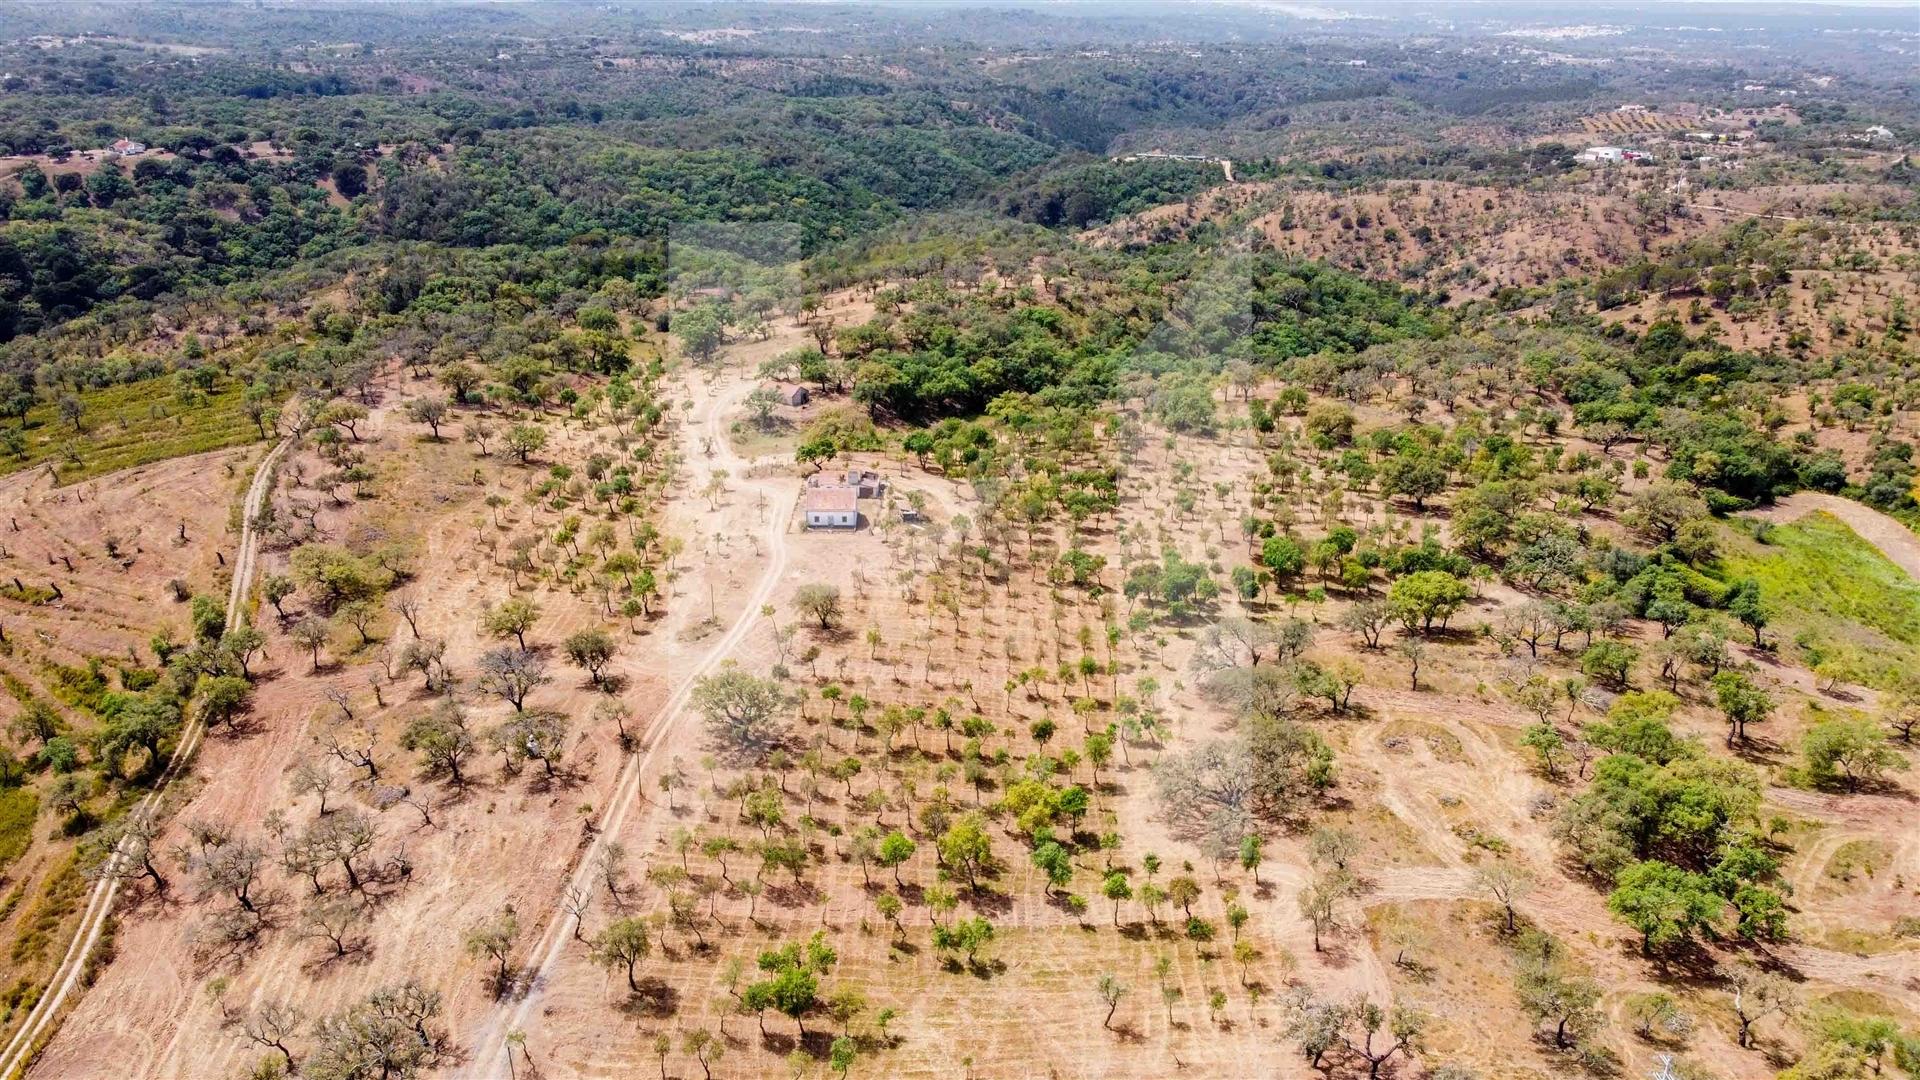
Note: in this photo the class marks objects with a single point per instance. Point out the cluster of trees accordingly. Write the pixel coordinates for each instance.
(935, 351)
(392, 1032)
(1090, 193)
(1675, 831)
(940, 348)
(1361, 1031)
(1749, 259)
(132, 731)
(69, 243)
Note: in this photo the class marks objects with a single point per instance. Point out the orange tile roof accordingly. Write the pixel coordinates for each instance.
(832, 497)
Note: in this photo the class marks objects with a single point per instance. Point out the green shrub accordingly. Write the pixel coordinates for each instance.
(18, 808)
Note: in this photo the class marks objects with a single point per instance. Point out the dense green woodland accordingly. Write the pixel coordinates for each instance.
(466, 164)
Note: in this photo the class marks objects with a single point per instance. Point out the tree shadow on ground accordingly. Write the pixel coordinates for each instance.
(1126, 1032)
(656, 999)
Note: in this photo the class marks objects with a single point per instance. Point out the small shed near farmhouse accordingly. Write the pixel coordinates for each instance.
(866, 483)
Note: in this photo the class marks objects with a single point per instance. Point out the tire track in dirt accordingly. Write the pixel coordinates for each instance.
(41, 1020)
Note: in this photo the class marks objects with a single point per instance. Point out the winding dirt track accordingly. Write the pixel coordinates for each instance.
(40, 1021)
(489, 1056)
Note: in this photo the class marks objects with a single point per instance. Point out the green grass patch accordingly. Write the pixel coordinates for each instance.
(19, 999)
(59, 898)
(1834, 596)
(133, 424)
(34, 595)
(18, 808)
(1866, 1003)
(17, 687)
(83, 688)
(1858, 858)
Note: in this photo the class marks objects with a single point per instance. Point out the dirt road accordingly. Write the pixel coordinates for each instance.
(488, 1054)
(1897, 542)
(41, 1022)
(1741, 213)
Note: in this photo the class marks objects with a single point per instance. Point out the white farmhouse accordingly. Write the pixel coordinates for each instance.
(1610, 155)
(832, 506)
